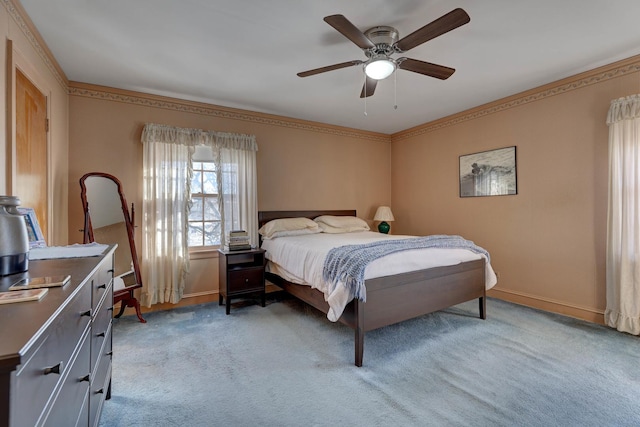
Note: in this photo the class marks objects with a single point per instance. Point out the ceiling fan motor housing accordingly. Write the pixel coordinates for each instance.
(384, 38)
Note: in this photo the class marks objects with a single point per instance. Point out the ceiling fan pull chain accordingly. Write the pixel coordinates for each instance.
(395, 91)
(365, 95)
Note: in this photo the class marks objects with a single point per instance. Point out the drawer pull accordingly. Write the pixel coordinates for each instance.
(109, 353)
(85, 378)
(111, 270)
(103, 286)
(110, 308)
(101, 334)
(101, 391)
(86, 313)
(54, 369)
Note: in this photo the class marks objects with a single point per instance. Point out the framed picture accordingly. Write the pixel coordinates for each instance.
(36, 239)
(489, 173)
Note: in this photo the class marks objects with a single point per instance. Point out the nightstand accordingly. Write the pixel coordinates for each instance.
(240, 273)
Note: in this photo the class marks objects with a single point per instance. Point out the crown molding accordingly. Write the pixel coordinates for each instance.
(24, 23)
(588, 78)
(154, 101)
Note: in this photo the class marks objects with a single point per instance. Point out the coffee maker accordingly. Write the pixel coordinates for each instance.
(14, 239)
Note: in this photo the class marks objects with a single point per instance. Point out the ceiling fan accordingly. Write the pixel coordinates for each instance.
(379, 43)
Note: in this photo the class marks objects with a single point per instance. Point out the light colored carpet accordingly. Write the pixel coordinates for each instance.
(287, 365)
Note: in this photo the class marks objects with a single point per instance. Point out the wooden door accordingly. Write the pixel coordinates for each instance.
(31, 149)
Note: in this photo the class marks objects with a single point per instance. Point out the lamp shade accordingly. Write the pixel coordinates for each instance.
(380, 67)
(384, 214)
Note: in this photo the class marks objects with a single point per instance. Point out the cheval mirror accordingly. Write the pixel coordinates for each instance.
(107, 220)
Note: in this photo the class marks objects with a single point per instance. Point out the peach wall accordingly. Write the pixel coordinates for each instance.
(301, 165)
(547, 242)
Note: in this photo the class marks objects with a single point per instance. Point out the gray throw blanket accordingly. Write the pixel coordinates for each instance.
(347, 263)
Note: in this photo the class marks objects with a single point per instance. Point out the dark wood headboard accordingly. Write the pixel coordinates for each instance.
(266, 216)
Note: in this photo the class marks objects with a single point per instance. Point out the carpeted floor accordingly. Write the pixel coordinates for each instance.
(287, 365)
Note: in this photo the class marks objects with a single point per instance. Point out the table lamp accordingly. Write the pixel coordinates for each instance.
(384, 214)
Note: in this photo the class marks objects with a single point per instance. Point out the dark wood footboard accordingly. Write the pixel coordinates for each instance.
(393, 299)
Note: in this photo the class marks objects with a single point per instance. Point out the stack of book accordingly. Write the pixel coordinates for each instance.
(238, 240)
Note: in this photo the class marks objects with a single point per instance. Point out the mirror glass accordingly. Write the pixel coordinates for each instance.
(108, 222)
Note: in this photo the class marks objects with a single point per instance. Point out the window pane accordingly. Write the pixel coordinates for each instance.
(212, 233)
(196, 182)
(195, 234)
(195, 213)
(209, 166)
(210, 185)
(211, 209)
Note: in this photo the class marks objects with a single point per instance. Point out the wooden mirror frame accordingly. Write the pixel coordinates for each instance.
(126, 295)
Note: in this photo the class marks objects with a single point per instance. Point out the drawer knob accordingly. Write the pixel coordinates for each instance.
(86, 313)
(246, 280)
(110, 270)
(103, 286)
(101, 334)
(54, 369)
(101, 391)
(85, 378)
(109, 353)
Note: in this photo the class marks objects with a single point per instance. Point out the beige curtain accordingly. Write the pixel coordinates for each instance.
(167, 158)
(165, 209)
(237, 184)
(623, 218)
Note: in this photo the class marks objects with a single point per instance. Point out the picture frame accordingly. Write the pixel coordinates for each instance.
(36, 238)
(489, 173)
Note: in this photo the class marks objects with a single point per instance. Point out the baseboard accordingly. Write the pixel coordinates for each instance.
(187, 299)
(588, 314)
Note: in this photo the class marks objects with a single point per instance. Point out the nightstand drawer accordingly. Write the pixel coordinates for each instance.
(246, 279)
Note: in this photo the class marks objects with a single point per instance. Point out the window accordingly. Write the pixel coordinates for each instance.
(204, 216)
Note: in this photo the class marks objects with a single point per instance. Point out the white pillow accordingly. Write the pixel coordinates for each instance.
(282, 225)
(293, 233)
(341, 224)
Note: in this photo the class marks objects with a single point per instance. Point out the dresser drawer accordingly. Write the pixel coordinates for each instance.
(101, 280)
(72, 404)
(246, 279)
(101, 381)
(101, 325)
(50, 358)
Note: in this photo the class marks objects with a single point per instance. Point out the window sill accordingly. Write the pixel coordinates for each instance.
(203, 252)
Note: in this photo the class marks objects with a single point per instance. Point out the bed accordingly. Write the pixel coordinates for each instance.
(391, 298)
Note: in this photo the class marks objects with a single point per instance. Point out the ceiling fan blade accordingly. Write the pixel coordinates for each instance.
(427, 68)
(350, 31)
(444, 24)
(368, 88)
(329, 68)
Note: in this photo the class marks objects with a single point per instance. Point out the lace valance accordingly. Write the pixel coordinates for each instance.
(624, 109)
(153, 132)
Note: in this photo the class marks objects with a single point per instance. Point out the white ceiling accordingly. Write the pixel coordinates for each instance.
(245, 54)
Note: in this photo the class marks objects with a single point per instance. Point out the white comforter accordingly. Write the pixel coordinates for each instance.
(300, 259)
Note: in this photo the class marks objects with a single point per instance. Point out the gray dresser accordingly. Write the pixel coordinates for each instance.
(55, 353)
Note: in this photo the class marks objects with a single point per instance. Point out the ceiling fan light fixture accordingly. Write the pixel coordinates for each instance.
(380, 67)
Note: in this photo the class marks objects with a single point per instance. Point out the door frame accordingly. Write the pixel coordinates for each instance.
(17, 60)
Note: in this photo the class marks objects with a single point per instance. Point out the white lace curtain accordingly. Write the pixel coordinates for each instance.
(168, 168)
(623, 217)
